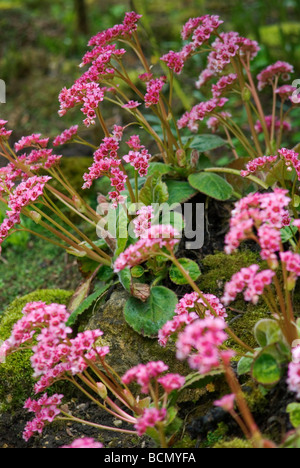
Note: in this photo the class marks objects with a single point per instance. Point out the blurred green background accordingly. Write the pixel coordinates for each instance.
(42, 43)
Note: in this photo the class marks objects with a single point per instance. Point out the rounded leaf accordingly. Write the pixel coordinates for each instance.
(190, 267)
(211, 185)
(147, 318)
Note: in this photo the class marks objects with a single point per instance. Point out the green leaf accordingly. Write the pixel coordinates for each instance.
(159, 168)
(207, 142)
(179, 191)
(267, 332)
(211, 185)
(294, 411)
(197, 380)
(190, 267)
(87, 303)
(154, 191)
(266, 369)
(147, 318)
(137, 271)
(288, 233)
(125, 278)
(244, 365)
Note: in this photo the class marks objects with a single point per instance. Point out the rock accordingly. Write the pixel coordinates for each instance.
(128, 348)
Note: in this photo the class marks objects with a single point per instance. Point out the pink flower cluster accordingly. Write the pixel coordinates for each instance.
(285, 92)
(199, 343)
(250, 280)
(223, 84)
(187, 311)
(226, 402)
(201, 29)
(284, 125)
(154, 88)
(4, 134)
(279, 69)
(138, 157)
(293, 379)
(259, 216)
(86, 91)
(33, 140)
(153, 241)
(128, 26)
(145, 374)
(142, 222)
(45, 409)
(39, 159)
(149, 418)
(84, 443)
(54, 354)
(200, 112)
(131, 104)
(258, 164)
(292, 262)
(106, 163)
(67, 135)
(25, 194)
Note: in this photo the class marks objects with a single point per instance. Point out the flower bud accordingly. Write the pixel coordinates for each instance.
(102, 390)
(36, 217)
(78, 203)
(140, 291)
(246, 94)
(181, 157)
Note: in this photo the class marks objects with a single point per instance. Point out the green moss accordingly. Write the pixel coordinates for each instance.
(243, 324)
(16, 382)
(234, 443)
(219, 268)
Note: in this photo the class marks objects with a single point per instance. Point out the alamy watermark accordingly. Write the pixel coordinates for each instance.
(188, 220)
(296, 94)
(2, 92)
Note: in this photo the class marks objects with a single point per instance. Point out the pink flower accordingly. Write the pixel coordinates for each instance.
(4, 134)
(265, 212)
(199, 343)
(31, 140)
(292, 262)
(285, 126)
(157, 237)
(188, 310)
(149, 418)
(251, 281)
(171, 382)
(200, 112)
(278, 69)
(142, 222)
(66, 136)
(139, 157)
(154, 88)
(226, 402)
(223, 84)
(174, 61)
(285, 91)
(143, 374)
(131, 105)
(45, 409)
(291, 159)
(84, 443)
(258, 164)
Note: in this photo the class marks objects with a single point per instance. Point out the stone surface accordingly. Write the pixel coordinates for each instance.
(128, 348)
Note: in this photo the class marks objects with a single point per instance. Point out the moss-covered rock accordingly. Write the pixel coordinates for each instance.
(218, 269)
(128, 348)
(16, 381)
